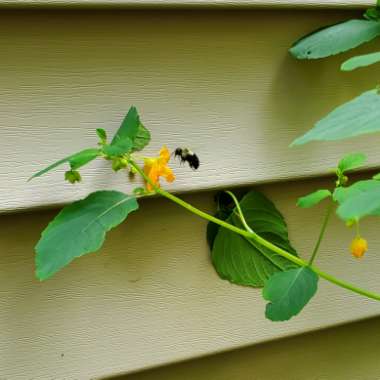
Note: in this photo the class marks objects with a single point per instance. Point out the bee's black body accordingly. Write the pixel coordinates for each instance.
(186, 155)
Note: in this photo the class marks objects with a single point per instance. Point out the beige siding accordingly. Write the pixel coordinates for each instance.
(219, 82)
(186, 3)
(152, 297)
(350, 352)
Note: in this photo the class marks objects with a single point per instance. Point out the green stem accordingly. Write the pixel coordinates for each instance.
(322, 233)
(255, 237)
(240, 212)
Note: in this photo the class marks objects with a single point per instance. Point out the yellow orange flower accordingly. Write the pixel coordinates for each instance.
(157, 167)
(359, 247)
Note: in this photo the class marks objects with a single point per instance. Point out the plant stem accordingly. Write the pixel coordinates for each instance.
(240, 212)
(322, 233)
(255, 237)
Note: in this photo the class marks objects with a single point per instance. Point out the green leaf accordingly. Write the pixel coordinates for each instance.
(289, 292)
(82, 158)
(360, 61)
(360, 200)
(76, 160)
(341, 194)
(141, 139)
(356, 117)
(225, 207)
(129, 127)
(314, 198)
(335, 39)
(119, 148)
(102, 134)
(373, 13)
(80, 228)
(213, 228)
(376, 177)
(243, 261)
(351, 161)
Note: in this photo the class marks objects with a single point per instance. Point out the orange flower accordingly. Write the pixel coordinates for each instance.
(359, 247)
(157, 167)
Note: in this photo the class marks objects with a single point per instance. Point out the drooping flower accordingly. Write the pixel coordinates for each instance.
(157, 167)
(359, 247)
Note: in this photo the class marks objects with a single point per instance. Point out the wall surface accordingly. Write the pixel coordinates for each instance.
(184, 3)
(220, 82)
(151, 295)
(349, 352)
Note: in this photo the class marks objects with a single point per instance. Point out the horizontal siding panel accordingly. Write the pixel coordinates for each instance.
(184, 3)
(220, 83)
(151, 296)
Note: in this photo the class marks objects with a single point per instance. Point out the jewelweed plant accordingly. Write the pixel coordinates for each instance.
(247, 236)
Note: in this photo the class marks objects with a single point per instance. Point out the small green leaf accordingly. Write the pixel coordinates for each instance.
(351, 161)
(341, 194)
(243, 261)
(314, 198)
(82, 158)
(359, 200)
(360, 61)
(288, 293)
(335, 39)
(80, 228)
(141, 139)
(102, 134)
(356, 117)
(119, 148)
(76, 161)
(129, 127)
(376, 177)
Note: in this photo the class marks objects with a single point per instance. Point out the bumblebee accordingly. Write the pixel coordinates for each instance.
(186, 155)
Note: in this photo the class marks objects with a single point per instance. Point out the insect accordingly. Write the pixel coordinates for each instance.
(186, 155)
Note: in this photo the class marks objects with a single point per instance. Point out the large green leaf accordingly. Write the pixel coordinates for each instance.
(243, 261)
(314, 198)
(225, 207)
(76, 160)
(80, 228)
(129, 127)
(359, 200)
(289, 292)
(360, 61)
(356, 117)
(335, 39)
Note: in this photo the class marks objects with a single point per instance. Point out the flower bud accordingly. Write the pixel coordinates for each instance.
(359, 247)
(73, 176)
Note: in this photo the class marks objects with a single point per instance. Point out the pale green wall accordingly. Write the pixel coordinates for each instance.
(349, 352)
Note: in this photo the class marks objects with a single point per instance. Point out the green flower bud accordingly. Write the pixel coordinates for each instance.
(73, 176)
